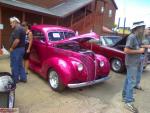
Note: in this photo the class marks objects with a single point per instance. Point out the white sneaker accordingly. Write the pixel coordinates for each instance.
(131, 107)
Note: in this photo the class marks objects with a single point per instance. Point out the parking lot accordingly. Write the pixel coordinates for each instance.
(36, 96)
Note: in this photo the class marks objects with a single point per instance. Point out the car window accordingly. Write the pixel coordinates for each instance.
(55, 36)
(108, 41)
(69, 34)
(94, 41)
(102, 41)
(111, 40)
(38, 35)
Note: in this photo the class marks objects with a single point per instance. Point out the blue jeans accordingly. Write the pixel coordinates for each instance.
(140, 70)
(129, 83)
(16, 63)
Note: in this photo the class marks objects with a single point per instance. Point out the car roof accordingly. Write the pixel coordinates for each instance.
(45, 27)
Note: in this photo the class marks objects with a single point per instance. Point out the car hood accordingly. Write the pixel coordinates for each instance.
(84, 37)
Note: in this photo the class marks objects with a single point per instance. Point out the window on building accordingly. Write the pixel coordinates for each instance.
(102, 9)
(110, 13)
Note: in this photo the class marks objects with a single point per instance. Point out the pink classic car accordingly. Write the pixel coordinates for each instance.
(64, 63)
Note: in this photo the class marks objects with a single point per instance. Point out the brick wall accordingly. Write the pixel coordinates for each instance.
(94, 20)
(31, 18)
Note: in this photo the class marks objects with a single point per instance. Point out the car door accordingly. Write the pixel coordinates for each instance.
(39, 48)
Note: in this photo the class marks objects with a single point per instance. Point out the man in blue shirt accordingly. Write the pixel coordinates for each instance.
(17, 50)
(133, 52)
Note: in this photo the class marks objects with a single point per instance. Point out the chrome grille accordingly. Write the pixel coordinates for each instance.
(89, 65)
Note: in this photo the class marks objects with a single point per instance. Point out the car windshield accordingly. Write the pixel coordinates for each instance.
(110, 41)
(55, 36)
(69, 34)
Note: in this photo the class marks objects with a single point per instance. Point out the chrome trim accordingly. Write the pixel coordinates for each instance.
(88, 83)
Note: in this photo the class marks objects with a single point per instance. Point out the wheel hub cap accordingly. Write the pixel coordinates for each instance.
(53, 79)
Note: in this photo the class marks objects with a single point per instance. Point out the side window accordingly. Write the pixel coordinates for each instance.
(38, 35)
(94, 41)
(100, 42)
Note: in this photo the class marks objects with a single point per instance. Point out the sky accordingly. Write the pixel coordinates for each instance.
(132, 10)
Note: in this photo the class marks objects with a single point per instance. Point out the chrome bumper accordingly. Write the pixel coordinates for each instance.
(88, 83)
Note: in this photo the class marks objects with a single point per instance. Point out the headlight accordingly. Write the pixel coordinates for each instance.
(80, 67)
(101, 64)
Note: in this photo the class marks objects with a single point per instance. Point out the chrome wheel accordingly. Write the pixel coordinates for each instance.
(11, 99)
(116, 65)
(53, 79)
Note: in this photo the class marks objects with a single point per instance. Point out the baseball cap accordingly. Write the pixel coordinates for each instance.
(137, 24)
(14, 19)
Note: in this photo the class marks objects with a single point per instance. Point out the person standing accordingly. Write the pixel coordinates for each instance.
(28, 44)
(133, 52)
(145, 44)
(17, 50)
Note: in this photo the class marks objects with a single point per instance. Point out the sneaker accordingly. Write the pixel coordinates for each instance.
(138, 88)
(131, 107)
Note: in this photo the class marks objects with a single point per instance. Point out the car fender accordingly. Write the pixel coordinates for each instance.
(64, 68)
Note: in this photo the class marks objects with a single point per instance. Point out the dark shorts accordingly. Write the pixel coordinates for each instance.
(26, 55)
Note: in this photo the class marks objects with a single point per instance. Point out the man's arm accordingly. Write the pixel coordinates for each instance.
(30, 42)
(15, 43)
(131, 51)
(16, 40)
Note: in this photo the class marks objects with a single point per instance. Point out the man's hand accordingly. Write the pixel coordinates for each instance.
(11, 49)
(141, 50)
(146, 46)
(28, 51)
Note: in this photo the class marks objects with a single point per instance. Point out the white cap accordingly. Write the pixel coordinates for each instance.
(12, 19)
(137, 24)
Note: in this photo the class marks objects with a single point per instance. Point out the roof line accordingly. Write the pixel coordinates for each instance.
(115, 4)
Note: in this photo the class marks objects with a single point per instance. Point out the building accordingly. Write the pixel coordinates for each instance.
(80, 15)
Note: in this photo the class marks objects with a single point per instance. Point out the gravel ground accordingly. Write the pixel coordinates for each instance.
(36, 96)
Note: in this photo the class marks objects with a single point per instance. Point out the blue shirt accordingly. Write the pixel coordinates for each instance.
(18, 33)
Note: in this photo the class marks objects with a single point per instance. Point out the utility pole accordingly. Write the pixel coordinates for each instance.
(118, 23)
(124, 26)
